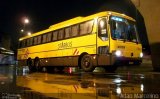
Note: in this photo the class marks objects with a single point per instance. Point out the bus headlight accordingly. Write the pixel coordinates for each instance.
(141, 54)
(118, 53)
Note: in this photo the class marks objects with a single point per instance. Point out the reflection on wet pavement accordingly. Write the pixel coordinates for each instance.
(8, 88)
(97, 85)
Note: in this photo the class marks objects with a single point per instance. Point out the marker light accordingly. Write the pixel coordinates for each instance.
(118, 90)
(117, 18)
(118, 53)
(142, 87)
(29, 33)
(94, 57)
(141, 54)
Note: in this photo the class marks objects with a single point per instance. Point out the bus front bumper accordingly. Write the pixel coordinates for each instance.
(126, 60)
(104, 60)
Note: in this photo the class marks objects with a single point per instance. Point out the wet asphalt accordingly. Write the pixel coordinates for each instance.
(134, 82)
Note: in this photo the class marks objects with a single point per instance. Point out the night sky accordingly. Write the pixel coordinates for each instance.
(43, 13)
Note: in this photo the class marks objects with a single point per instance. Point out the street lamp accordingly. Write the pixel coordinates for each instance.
(29, 33)
(26, 21)
(23, 30)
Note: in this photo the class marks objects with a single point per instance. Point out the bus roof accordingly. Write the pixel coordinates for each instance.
(76, 20)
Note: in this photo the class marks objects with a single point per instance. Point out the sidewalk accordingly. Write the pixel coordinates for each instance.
(147, 60)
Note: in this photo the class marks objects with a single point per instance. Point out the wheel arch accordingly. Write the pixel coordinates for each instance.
(28, 60)
(36, 58)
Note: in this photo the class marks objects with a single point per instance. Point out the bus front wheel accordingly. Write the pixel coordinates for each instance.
(86, 63)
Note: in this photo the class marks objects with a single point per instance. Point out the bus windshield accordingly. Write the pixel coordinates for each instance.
(123, 29)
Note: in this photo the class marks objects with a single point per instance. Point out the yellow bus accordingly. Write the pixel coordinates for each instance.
(107, 39)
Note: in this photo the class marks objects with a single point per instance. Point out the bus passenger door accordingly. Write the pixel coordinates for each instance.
(103, 42)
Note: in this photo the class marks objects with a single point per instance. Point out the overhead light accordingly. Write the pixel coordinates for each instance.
(29, 33)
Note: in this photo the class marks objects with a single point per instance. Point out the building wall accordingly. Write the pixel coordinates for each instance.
(5, 42)
(150, 11)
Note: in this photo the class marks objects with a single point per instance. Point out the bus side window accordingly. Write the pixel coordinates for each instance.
(35, 40)
(20, 44)
(86, 28)
(67, 32)
(54, 38)
(49, 35)
(102, 29)
(28, 42)
(39, 39)
(31, 41)
(44, 38)
(24, 43)
(75, 30)
(60, 34)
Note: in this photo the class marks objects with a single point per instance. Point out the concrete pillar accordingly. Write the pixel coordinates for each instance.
(150, 10)
(5, 41)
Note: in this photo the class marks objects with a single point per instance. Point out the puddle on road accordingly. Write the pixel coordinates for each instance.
(87, 86)
(78, 85)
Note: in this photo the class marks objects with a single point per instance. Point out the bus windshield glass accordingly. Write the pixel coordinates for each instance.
(123, 29)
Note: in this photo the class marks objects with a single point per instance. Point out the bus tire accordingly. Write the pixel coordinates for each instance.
(86, 63)
(29, 64)
(37, 64)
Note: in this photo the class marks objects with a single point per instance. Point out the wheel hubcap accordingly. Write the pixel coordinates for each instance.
(86, 62)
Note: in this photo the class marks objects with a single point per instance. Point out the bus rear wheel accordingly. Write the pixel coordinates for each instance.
(86, 63)
(29, 64)
(37, 64)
